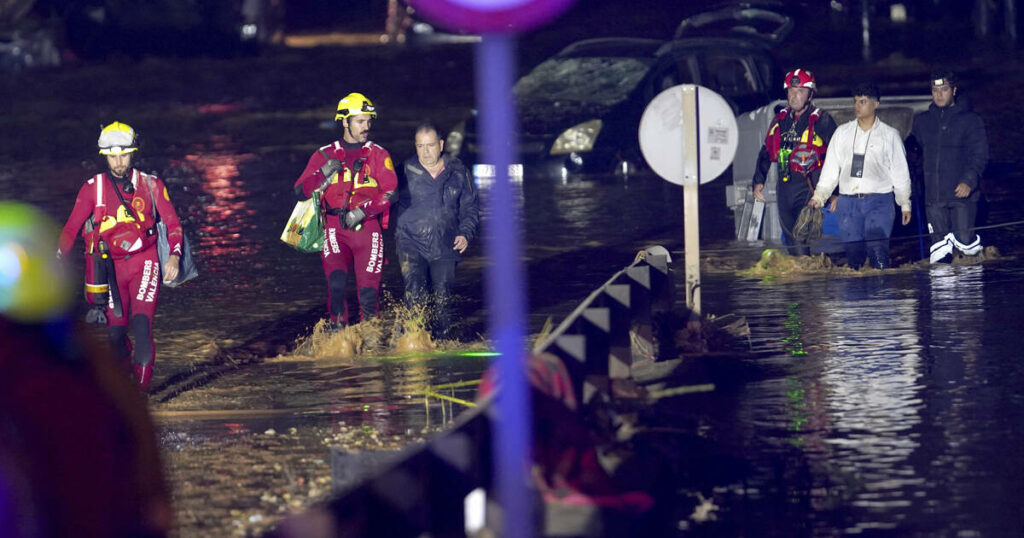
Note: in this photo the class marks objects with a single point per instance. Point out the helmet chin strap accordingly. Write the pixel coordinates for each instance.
(346, 125)
(124, 179)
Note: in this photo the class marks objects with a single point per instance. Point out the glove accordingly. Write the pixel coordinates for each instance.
(354, 219)
(97, 315)
(329, 168)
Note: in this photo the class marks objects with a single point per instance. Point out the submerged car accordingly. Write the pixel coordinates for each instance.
(579, 111)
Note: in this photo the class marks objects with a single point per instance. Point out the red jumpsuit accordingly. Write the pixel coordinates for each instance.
(132, 246)
(366, 181)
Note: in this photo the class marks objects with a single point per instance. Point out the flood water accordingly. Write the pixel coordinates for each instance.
(885, 404)
(877, 404)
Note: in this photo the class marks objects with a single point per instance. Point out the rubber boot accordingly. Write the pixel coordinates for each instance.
(336, 305)
(368, 303)
(143, 375)
(121, 345)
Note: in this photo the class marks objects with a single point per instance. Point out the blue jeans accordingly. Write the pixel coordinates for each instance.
(865, 224)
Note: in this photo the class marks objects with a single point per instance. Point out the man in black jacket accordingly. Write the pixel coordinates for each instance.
(439, 217)
(955, 151)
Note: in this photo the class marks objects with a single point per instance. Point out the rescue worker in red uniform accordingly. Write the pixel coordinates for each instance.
(797, 140)
(117, 212)
(357, 180)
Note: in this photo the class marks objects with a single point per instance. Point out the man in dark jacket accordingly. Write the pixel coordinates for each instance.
(439, 217)
(955, 151)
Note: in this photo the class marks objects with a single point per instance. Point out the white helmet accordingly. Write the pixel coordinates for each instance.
(117, 138)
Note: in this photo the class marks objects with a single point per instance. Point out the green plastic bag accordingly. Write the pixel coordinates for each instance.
(305, 228)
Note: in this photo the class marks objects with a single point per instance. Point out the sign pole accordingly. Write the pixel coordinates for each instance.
(691, 209)
(687, 151)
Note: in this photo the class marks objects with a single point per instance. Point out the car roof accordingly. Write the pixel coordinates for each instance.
(769, 21)
(620, 47)
(635, 47)
(713, 43)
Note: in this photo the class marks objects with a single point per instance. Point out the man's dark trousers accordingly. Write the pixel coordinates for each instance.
(955, 216)
(792, 196)
(423, 278)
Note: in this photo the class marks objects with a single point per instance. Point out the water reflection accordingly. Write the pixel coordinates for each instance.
(226, 217)
(955, 406)
(872, 372)
(887, 405)
(391, 398)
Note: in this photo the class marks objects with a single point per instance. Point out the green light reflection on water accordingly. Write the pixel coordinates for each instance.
(432, 354)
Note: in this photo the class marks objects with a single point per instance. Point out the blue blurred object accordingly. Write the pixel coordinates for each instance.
(506, 296)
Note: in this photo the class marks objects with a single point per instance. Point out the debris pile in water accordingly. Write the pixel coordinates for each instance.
(714, 333)
(989, 253)
(776, 263)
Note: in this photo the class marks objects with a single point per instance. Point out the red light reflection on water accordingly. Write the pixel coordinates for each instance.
(228, 212)
(219, 108)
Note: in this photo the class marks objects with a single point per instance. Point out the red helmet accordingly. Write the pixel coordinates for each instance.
(799, 78)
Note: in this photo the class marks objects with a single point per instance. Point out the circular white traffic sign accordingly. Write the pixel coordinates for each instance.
(484, 16)
(674, 119)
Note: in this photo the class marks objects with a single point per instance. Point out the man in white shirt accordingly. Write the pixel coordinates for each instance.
(867, 160)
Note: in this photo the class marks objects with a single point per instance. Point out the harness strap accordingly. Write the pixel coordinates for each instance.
(357, 169)
(774, 138)
(99, 199)
(151, 230)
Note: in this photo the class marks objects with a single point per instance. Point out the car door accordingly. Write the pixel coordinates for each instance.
(678, 68)
(735, 76)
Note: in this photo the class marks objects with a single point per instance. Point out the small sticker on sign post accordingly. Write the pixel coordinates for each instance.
(718, 135)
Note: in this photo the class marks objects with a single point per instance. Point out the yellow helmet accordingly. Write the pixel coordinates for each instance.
(355, 104)
(117, 138)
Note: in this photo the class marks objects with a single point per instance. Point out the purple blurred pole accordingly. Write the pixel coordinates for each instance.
(495, 65)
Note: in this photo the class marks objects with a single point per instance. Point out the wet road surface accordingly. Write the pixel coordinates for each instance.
(873, 404)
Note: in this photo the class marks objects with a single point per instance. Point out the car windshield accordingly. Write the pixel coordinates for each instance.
(604, 81)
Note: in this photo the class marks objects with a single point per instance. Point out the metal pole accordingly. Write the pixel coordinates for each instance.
(1010, 20)
(981, 18)
(691, 182)
(495, 65)
(865, 26)
(692, 231)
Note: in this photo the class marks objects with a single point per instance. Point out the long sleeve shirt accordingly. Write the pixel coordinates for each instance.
(885, 163)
